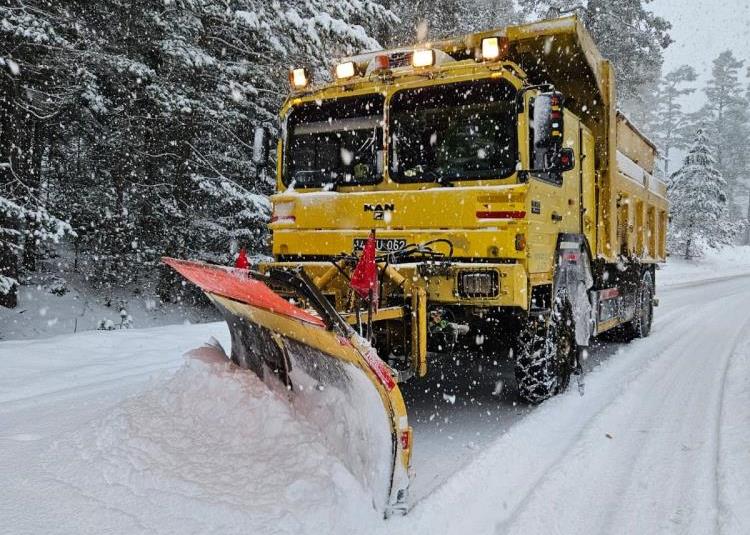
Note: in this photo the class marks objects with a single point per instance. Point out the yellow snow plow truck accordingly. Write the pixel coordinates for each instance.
(505, 205)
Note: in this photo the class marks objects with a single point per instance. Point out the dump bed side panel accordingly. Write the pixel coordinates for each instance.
(640, 197)
(636, 146)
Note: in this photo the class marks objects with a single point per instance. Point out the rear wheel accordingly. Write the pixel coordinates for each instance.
(546, 353)
(640, 325)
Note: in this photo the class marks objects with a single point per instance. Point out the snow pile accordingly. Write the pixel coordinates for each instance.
(210, 450)
(340, 401)
(717, 263)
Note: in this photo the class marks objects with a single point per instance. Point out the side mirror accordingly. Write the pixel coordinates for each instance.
(260, 146)
(549, 155)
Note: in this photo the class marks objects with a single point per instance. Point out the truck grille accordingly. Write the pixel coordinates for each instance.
(478, 284)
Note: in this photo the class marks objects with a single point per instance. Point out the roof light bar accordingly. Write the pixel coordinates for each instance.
(347, 70)
(382, 62)
(423, 58)
(299, 78)
(494, 48)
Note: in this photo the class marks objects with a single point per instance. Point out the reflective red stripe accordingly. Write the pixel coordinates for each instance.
(283, 219)
(503, 214)
(609, 293)
(405, 442)
(379, 368)
(235, 284)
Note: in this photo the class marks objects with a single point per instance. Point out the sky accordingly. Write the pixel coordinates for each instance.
(701, 30)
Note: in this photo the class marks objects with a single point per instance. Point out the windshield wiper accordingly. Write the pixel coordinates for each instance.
(444, 181)
(332, 184)
(438, 178)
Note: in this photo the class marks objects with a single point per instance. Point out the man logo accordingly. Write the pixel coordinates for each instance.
(379, 210)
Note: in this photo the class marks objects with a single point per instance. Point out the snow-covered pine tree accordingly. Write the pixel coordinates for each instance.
(670, 127)
(727, 122)
(423, 20)
(698, 197)
(151, 153)
(32, 93)
(481, 15)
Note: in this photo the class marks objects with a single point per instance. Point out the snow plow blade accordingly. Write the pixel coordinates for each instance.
(330, 375)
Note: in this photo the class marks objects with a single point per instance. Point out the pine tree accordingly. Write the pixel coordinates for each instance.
(728, 123)
(32, 94)
(698, 197)
(423, 20)
(481, 15)
(134, 119)
(670, 127)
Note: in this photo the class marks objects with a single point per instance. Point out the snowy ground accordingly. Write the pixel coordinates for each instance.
(715, 264)
(65, 303)
(117, 432)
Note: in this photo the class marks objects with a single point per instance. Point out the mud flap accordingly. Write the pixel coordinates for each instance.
(331, 376)
(574, 274)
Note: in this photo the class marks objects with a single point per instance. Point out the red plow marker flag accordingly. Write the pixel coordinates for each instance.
(241, 261)
(365, 276)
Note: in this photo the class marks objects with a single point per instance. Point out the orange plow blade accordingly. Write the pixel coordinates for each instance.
(331, 375)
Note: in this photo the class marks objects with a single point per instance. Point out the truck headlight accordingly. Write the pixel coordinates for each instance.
(478, 284)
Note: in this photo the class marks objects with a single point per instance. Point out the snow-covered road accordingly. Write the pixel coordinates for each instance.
(112, 432)
(660, 443)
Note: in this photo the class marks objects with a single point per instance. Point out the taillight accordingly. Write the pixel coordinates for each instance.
(571, 256)
(283, 212)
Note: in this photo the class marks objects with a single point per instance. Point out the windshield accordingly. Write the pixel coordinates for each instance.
(455, 131)
(335, 142)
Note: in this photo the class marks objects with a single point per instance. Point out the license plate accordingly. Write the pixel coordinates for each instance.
(388, 245)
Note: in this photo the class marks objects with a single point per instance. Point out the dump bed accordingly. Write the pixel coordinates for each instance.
(634, 144)
(632, 206)
(639, 196)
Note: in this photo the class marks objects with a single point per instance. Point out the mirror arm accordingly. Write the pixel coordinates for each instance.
(521, 92)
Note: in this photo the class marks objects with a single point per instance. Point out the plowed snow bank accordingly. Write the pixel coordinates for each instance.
(717, 263)
(210, 450)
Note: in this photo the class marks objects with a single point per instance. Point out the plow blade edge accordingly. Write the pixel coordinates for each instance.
(330, 375)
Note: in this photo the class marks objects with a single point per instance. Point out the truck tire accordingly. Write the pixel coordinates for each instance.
(546, 353)
(640, 325)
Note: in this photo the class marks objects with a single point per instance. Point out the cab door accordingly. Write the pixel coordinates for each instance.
(570, 202)
(554, 204)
